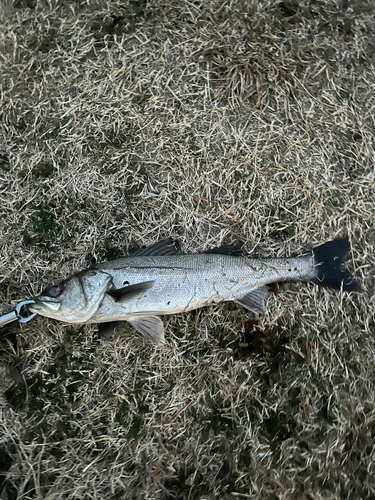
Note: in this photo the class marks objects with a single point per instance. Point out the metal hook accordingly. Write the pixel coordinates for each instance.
(16, 314)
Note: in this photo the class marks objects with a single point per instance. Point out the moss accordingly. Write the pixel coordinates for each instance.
(122, 21)
(133, 423)
(336, 198)
(141, 97)
(52, 394)
(6, 452)
(43, 171)
(24, 4)
(345, 94)
(279, 427)
(117, 140)
(326, 416)
(44, 226)
(4, 162)
(221, 424)
(48, 41)
(44, 219)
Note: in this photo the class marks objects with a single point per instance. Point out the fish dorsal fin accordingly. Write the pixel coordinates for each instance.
(254, 300)
(228, 250)
(129, 291)
(150, 326)
(163, 247)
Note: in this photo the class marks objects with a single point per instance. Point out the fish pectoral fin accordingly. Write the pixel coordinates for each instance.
(129, 291)
(254, 300)
(150, 326)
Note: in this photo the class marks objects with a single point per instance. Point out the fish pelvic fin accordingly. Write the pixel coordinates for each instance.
(328, 260)
(150, 326)
(254, 300)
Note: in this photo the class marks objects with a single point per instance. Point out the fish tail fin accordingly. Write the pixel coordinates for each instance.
(328, 260)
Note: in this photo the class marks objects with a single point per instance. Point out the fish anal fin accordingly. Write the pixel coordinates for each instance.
(163, 247)
(150, 326)
(254, 300)
(129, 291)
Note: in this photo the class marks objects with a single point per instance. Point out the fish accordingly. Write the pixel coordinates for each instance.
(161, 280)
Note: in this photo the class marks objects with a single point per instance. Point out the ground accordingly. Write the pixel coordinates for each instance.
(222, 121)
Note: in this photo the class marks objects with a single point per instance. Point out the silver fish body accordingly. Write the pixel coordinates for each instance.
(161, 280)
(182, 283)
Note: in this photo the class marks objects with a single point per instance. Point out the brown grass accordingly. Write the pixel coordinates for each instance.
(221, 121)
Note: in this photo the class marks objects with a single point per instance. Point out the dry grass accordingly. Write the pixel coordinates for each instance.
(220, 121)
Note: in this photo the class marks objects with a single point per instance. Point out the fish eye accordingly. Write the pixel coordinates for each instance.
(54, 291)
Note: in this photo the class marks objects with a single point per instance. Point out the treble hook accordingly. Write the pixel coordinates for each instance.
(16, 314)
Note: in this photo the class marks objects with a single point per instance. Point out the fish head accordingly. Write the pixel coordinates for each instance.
(74, 300)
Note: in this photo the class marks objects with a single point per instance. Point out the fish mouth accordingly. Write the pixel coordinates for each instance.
(43, 303)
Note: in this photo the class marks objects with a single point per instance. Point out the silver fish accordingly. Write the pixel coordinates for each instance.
(162, 280)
